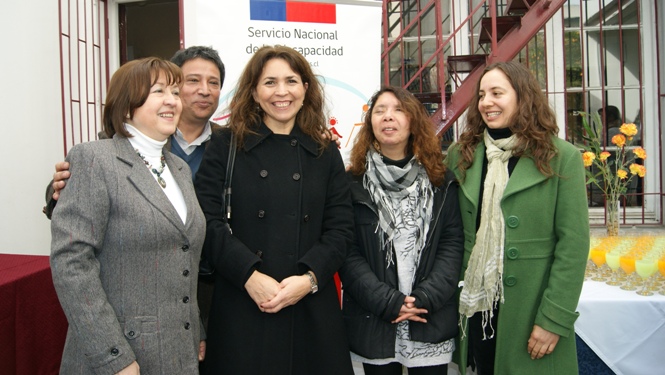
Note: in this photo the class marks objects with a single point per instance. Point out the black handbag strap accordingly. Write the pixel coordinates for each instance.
(229, 175)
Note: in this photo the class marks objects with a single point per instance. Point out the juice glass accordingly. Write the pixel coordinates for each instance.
(612, 261)
(661, 269)
(645, 268)
(627, 264)
(598, 258)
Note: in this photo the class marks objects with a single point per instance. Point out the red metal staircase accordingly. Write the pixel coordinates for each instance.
(492, 37)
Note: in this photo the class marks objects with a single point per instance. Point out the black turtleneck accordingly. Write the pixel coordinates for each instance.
(499, 133)
(398, 163)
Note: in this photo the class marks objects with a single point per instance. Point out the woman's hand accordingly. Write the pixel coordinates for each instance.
(132, 369)
(202, 350)
(60, 178)
(293, 289)
(261, 288)
(409, 311)
(541, 342)
(333, 137)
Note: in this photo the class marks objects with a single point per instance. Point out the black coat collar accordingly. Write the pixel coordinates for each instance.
(262, 132)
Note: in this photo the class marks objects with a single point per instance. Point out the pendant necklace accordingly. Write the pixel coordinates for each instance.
(157, 173)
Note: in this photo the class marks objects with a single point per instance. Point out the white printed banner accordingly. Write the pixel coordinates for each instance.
(341, 40)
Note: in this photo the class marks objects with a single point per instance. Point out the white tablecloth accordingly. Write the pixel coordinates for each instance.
(626, 330)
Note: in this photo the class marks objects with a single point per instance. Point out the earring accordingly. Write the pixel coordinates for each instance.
(127, 115)
(377, 146)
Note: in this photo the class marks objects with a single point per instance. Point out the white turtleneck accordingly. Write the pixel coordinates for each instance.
(152, 151)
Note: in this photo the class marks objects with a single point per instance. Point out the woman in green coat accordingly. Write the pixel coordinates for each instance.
(525, 216)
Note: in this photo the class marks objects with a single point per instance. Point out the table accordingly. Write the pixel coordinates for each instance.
(626, 330)
(32, 324)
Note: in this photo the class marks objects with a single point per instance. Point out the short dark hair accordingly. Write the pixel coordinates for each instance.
(612, 115)
(129, 88)
(201, 52)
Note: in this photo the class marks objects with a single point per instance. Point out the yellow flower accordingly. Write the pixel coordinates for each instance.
(637, 169)
(588, 158)
(614, 169)
(640, 153)
(640, 170)
(629, 130)
(619, 140)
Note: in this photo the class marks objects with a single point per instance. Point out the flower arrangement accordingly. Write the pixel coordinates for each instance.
(612, 175)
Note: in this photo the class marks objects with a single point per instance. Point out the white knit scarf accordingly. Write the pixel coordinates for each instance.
(483, 279)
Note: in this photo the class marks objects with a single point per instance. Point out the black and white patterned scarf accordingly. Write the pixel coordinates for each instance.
(387, 186)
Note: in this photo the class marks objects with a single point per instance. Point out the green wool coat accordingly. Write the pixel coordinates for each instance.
(545, 253)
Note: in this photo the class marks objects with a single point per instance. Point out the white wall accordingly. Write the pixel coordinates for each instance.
(32, 122)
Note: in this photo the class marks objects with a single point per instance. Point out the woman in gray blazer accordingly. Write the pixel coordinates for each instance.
(127, 236)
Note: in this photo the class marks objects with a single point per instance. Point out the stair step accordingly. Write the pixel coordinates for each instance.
(516, 7)
(428, 97)
(465, 63)
(503, 25)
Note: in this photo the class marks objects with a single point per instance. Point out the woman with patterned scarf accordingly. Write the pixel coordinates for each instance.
(400, 277)
(525, 215)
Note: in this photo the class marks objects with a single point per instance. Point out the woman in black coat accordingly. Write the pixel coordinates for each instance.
(275, 306)
(400, 277)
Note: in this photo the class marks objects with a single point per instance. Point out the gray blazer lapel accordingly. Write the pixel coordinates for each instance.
(184, 179)
(142, 179)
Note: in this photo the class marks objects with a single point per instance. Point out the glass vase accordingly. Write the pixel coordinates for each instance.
(613, 212)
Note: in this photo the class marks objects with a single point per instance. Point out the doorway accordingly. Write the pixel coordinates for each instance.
(148, 28)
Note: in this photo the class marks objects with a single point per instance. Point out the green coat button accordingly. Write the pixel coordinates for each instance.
(510, 280)
(513, 253)
(513, 221)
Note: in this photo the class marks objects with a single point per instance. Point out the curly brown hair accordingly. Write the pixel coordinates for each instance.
(246, 115)
(423, 141)
(534, 122)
